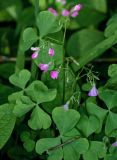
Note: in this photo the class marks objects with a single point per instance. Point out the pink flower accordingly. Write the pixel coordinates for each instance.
(65, 13)
(54, 74)
(93, 92)
(77, 7)
(74, 14)
(43, 67)
(53, 11)
(51, 52)
(114, 144)
(34, 55)
(75, 10)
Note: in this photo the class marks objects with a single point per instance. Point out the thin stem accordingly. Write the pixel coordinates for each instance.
(34, 74)
(64, 64)
(54, 40)
(20, 61)
(63, 144)
(33, 65)
(36, 7)
(13, 59)
(64, 33)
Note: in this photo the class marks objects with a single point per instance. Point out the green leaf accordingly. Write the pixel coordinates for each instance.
(99, 148)
(90, 156)
(20, 80)
(57, 154)
(86, 86)
(23, 105)
(29, 38)
(78, 145)
(98, 10)
(5, 91)
(97, 111)
(7, 122)
(111, 26)
(110, 157)
(111, 123)
(72, 133)
(29, 145)
(81, 145)
(14, 96)
(25, 135)
(112, 83)
(109, 97)
(7, 68)
(39, 119)
(43, 145)
(100, 5)
(93, 19)
(113, 153)
(47, 23)
(96, 150)
(25, 19)
(88, 125)
(70, 119)
(70, 153)
(96, 51)
(90, 37)
(112, 70)
(95, 5)
(39, 92)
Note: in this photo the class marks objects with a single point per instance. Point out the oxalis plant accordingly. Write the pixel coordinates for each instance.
(50, 114)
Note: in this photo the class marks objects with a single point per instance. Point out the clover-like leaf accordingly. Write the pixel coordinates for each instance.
(47, 23)
(70, 152)
(45, 144)
(78, 144)
(29, 145)
(7, 122)
(112, 70)
(39, 92)
(90, 155)
(23, 105)
(20, 80)
(109, 97)
(96, 150)
(56, 154)
(111, 123)
(97, 111)
(39, 119)
(111, 26)
(88, 125)
(65, 120)
(48, 145)
(29, 38)
(14, 96)
(72, 133)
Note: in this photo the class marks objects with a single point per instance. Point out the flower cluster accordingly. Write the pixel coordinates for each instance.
(73, 12)
(44, 67)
